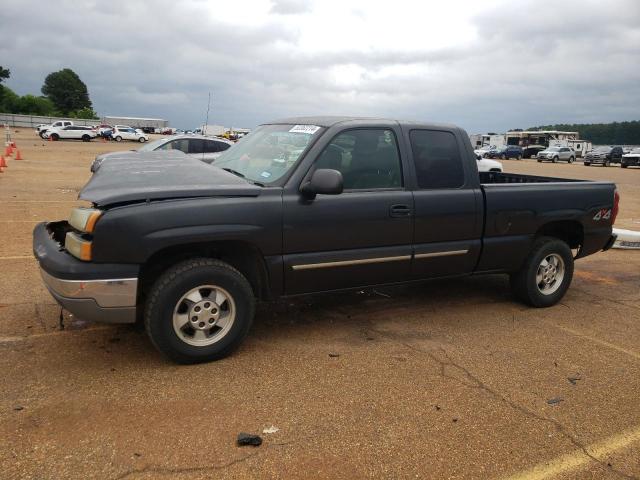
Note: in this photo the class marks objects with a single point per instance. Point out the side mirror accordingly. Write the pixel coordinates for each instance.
(324, 181)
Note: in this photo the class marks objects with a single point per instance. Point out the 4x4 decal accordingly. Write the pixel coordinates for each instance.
(603, 214)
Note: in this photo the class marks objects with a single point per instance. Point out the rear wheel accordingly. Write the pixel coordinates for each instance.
(199, 310)
(555, 159)
(141, 140)
(571, 159)
(86, 138)
(546, 274)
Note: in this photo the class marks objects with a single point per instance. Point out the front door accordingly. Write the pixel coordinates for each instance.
(357, 238)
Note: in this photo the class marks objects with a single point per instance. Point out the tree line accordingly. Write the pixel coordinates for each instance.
(615, 133)
(63, 95)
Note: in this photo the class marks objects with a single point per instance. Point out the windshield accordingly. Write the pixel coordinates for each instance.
(269, 152)
(151, 146)
(553, 149)
(602, 149)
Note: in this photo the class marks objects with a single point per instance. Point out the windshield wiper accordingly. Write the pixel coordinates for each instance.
(238, 174)
(235, 172)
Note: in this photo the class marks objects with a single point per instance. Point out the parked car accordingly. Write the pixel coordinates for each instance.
(486, 165)
(307, 205)
(530, 151)
(506, 151)
(42, 128)
(483, 151)
(71, 132)
(604, 156)
(104, 128)
(206, 149)
(631, 159)
(120, 133)
(554, 154)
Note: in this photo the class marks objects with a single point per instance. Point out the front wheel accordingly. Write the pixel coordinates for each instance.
(118, 138)
(555, 159)
(141, 140)
(519, 157)
(571, 159)
(546, 274)
(199, 310)
(86, 138)
(607, 163)
(55, 137)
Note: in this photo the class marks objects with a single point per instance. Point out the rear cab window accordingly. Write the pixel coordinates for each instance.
(437, 159)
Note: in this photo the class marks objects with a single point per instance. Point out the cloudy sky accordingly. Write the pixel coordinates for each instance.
(486, 65)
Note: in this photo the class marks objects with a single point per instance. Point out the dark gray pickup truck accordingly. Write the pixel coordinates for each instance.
(308, 205)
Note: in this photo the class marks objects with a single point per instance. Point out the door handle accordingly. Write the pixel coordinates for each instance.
(400, 211)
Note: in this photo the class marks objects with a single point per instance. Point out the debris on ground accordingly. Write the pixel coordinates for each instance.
(17, 408)
(573, 380)
(381, 294)
(334, 355)
(271, 429)
(248, 439)
(555, 401)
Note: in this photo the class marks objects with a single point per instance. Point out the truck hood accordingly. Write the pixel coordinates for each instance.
(126, 179)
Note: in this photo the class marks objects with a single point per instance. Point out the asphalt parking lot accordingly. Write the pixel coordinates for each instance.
(450, 379)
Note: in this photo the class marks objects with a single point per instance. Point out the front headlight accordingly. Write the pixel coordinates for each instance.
(78, 246)
(84, 219)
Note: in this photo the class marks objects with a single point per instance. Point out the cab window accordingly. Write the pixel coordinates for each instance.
(437, 159)
(367, 158)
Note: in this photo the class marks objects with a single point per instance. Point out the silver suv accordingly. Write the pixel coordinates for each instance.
(554, 154)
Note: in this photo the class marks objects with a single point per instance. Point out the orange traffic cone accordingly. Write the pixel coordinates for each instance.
(18, 156)
(7, 151)
(3, 163)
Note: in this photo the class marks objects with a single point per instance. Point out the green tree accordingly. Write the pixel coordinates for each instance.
(32, 105)
(8, 100)
(4, 73)
(67, 92)
(86, 113)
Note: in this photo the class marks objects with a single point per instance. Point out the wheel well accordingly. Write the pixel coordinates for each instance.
(244, 257)
(568, 230)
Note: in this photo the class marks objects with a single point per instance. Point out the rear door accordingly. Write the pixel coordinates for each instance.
(357, 238)
(448, 204)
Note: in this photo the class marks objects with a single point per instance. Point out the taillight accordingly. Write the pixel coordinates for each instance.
(616, 203)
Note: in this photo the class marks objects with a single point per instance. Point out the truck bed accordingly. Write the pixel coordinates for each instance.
(487, 178)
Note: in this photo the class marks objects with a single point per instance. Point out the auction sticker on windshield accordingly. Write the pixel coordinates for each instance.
(310, 129)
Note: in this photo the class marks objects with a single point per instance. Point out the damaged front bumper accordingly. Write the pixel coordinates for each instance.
(95, 292)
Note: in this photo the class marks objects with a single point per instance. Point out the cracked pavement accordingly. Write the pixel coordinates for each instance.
(448, 379)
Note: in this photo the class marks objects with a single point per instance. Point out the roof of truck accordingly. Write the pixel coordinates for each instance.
(329, 121)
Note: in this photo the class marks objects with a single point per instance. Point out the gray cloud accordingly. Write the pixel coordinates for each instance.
(529, 63)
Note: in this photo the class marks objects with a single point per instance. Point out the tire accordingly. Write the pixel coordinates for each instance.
(166, 301)
(607, 163)
(554, 159)
(539, 160)
(525, 282)
(55, 137)
(86, 138)
(519, 157)
(503, 157)
(587, 164)
(623, 165)
(141, 140)
(118, 138)
(571, 159)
